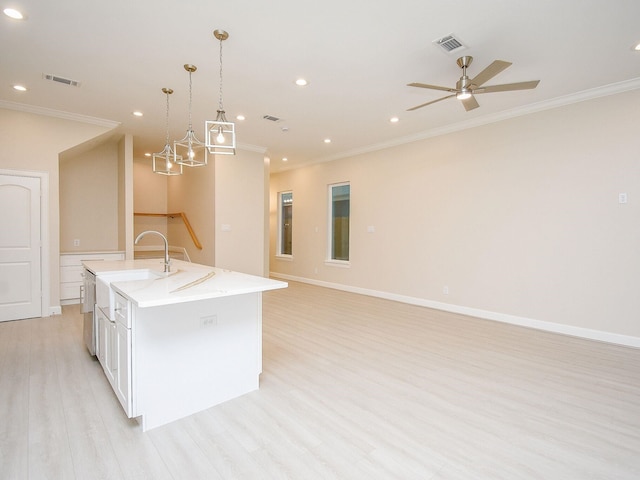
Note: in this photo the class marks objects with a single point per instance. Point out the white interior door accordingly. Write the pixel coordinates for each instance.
(20, 256)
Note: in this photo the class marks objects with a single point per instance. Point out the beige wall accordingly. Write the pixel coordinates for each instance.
(34, 142)
(193, 193)
(518, 218)
(231, 190)
(240, 192)
(96, 184)
(89, 200)
(149, 196)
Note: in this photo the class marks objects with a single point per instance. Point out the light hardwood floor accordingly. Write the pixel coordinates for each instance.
(353, 387)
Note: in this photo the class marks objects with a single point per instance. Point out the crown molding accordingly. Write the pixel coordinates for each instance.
(577, 97)
(251, 148)
(49, 112)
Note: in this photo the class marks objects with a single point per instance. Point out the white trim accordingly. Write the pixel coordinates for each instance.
(251, 148)
(44, 235)
(587, 333)
(338, 263)
(286, 258)
(49, 112)
(45, 261)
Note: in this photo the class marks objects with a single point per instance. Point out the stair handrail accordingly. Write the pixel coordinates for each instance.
(182, 215)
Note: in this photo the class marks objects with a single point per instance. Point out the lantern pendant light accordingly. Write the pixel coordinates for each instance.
(220, 135)
(190, 151)
(163, 162)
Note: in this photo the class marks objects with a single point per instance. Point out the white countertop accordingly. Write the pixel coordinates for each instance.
(186, 282)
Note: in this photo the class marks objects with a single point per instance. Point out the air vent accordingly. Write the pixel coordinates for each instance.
(271, 118)
(450, 44)
(64, 81)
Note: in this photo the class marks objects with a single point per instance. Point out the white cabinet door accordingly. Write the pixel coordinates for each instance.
(113, 349)
(106, 345)
(102, 335)
(112, 353)
(123, 375)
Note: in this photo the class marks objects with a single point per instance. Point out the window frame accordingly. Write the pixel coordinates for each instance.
(280, 240)
(330, 228)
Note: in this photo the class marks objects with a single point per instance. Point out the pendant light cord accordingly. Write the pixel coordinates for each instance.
(220, 107)
(190, 83)
(167, 119)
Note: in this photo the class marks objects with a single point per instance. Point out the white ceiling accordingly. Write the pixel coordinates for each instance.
(358, 56)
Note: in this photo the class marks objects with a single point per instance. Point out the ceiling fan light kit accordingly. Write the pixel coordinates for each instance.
(466, 88)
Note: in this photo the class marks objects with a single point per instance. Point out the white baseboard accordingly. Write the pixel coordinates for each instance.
(55, 310)
(587, 333)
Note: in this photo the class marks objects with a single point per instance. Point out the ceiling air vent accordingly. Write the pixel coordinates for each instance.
(271, 118)
(64, 81)
(450, 44)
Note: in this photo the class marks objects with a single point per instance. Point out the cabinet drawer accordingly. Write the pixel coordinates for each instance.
(70, 290)
(121, 310)
(71, 273)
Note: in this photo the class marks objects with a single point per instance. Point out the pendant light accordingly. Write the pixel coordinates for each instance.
(163, 162)
(220, 135)
(190, 151)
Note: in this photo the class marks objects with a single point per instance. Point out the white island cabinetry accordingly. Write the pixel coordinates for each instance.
(175, 344)
(113, 350)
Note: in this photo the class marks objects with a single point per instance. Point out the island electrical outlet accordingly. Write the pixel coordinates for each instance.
(209, 321)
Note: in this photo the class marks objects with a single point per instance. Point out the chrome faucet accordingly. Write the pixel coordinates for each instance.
(167, 260)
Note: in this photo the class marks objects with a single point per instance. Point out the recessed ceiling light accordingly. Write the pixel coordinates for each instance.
(327, 140)
(637, 47)
(138, 114)
(13, 13)
(394, 119)
(301, 82)
(147, 154)
(20, 88)
(285, 159)
(240, 117)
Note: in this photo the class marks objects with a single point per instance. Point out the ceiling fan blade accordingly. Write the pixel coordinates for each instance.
(488, 73)
(470, 103)
(432, 87)
(429, 103)
(508, 87)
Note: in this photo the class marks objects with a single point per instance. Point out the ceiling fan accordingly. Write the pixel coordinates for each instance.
(466, 88)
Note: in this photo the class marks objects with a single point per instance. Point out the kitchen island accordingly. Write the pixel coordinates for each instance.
(173, 344)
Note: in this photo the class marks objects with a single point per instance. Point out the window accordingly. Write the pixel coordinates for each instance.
(339, 207)
(285, 227)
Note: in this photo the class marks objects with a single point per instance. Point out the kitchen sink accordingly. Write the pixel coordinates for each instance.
(104, 293)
